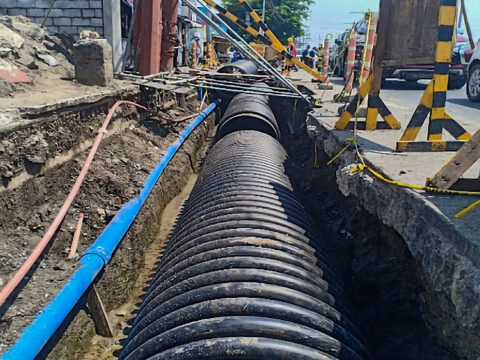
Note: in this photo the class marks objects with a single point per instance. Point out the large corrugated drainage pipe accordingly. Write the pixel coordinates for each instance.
(244, 275)
(245, 67)
(250, 112)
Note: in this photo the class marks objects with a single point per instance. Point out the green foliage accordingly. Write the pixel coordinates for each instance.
(284, 17)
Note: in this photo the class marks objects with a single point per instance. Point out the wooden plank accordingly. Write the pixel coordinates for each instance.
(454, 169)
(99, 315)
(412, 31)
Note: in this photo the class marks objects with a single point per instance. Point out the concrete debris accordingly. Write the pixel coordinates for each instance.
(26, 28)
(36, 150)
(49, 45)
(93, 62)
(48, 59)
(11, 73)
(10, 38)
(5, 51)
(28, 61)
(27, 52)
(87, 34)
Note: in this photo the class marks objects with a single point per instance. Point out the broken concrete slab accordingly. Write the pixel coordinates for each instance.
(93, 62)
(5, 51)
(25, 27)
(48, 59)
(28, 61)
(10, 38)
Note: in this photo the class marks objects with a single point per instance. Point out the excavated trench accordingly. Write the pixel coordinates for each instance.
(391, 307)
(397, 311)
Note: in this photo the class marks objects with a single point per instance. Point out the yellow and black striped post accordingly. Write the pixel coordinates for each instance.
(435, 96)
(275, 43)
(375, 106)
(233, 18)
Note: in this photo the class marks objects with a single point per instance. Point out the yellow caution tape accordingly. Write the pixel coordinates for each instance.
(362, 166)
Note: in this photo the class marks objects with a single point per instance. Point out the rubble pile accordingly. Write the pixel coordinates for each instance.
(27, 52)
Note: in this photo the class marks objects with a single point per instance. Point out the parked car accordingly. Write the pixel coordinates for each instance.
(458, 69)
(473, 71)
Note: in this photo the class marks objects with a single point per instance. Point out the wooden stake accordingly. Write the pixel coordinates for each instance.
(76, 237)
(99, 315)
(467, 25)
(463, 160)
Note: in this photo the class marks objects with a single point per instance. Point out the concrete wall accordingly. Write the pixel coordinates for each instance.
(69, 16)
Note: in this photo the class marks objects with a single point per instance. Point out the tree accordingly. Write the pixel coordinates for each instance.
(284, 17)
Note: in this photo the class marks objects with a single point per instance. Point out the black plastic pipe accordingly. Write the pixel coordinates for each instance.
(247, 111)
(244, 275)
(246, 67)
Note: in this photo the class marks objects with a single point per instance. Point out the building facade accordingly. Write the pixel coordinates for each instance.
(67, 16)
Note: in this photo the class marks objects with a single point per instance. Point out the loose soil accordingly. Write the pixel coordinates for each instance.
(123, 162)
(109, 348)
(396, 309)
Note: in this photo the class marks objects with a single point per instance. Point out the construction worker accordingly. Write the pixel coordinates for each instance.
(291, 48)
(312, 57)
(320, 55)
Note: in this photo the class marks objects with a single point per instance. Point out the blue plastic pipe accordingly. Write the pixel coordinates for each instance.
(36, 336)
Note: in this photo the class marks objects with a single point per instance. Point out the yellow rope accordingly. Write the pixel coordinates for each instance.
(363, 166)
(467, 210)
(350, 142)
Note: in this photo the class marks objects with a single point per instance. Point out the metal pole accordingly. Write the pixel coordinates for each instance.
(112, 25)
(263, 18)
(151, 37)
(259, 60)
(209, 32)
(126, 54)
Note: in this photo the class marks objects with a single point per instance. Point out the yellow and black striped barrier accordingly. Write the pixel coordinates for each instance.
(375, 106)
(435, 96)
(270, 39)
(233, 18)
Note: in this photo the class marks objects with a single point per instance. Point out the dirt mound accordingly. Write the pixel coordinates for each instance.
(28, 53)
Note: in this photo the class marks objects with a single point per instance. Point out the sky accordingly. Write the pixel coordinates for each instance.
(333, 16)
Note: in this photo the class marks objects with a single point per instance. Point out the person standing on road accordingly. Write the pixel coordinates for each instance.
(305, 54)
(320, 54)
(312, 57)
(292, 50)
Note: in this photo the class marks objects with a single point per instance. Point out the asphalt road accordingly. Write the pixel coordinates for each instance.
(409, 94)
